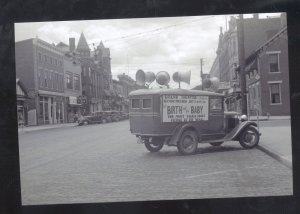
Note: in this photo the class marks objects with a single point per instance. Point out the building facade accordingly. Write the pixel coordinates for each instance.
(256, 32)
(41, 68)
(92, 78)
(22, 96)
(268, 77)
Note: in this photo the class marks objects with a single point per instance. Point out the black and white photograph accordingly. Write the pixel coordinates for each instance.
(148, 109)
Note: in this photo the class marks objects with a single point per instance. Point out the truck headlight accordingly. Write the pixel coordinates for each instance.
(244, 117)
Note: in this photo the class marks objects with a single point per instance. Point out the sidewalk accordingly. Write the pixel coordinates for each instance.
(25, 129)
(277, 142)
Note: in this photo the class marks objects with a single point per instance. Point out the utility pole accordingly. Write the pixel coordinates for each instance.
(241, 52)
(201, 72)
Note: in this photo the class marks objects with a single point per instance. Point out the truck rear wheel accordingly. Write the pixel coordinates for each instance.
(188, 143)
(154, 146)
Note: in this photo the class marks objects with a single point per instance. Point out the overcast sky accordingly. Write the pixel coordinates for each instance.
(151, 44)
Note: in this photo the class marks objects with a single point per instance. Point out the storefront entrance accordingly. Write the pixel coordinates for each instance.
(51, 110)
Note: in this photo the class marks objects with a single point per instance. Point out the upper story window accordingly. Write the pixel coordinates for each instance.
(273, 62)
(69, 80)
(76, 82)
(40, 57)
(45, 58)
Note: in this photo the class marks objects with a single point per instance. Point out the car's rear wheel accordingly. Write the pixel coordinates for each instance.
(85, 122)
(155, 145)
(216, 143)
(188, 143)
(249, 138)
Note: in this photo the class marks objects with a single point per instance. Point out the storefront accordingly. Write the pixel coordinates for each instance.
(51, 109)
(74, 109)
(21, 106)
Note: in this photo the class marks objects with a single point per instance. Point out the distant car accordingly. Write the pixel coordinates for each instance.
(94, 118)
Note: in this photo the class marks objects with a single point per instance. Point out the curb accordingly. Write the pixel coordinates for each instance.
(275, 155)
(20, 131)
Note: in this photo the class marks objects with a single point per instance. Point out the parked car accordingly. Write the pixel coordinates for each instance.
(94, 118)
(184, 118)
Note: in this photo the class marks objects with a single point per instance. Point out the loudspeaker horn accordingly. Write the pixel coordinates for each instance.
(212, 82)
(149, 77)
(140, 77)
(163, 78)
(182, 76)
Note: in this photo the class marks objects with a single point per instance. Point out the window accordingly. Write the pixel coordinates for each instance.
(45, 58)
(41, 77)
(69, 78)
(51, 60)
(274, 62)
(76, 82)
(46, 78)
(40, 57)
(55, 61)
(275, 93)
(216, 104)
(146, 103)
(135, 103)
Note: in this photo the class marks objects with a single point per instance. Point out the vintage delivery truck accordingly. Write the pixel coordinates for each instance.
(184, 118)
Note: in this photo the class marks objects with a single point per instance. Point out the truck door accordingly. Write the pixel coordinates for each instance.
(216, 117)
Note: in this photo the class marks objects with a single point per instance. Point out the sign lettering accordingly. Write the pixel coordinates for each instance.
(183, 108)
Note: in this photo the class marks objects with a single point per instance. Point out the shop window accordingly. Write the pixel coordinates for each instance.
(135, 103)
(146, 103)
(275, 93)
(274, 62)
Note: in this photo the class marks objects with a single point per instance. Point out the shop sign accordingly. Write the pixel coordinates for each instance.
(72, 100)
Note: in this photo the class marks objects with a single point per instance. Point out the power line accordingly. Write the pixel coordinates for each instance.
(147, 32)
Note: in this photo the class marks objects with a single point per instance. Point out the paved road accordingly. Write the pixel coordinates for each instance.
(103, 163)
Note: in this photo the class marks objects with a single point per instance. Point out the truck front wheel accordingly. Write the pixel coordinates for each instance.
(249, 138)
(188, 143)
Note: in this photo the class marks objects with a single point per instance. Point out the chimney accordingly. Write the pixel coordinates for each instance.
(72, 44)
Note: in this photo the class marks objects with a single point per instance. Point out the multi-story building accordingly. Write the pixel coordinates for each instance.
(128, 85)
(103, 61)
(92, 77)
(40, 65)
(118, 99)
(268, 77)
(72, 81)
(256, 32)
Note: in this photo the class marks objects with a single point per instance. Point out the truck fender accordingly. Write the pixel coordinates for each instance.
(240, 128)
(177, 132)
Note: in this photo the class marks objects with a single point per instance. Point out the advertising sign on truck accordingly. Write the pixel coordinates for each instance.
(184, 108)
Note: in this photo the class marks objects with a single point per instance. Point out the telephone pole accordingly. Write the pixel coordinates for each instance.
(241, 53)
(201, 72)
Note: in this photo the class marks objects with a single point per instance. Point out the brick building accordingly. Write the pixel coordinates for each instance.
(40, 67)
(256, 32)
(72, 81)
(268, 77)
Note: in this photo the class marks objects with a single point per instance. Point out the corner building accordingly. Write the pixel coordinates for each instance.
(40, 67)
